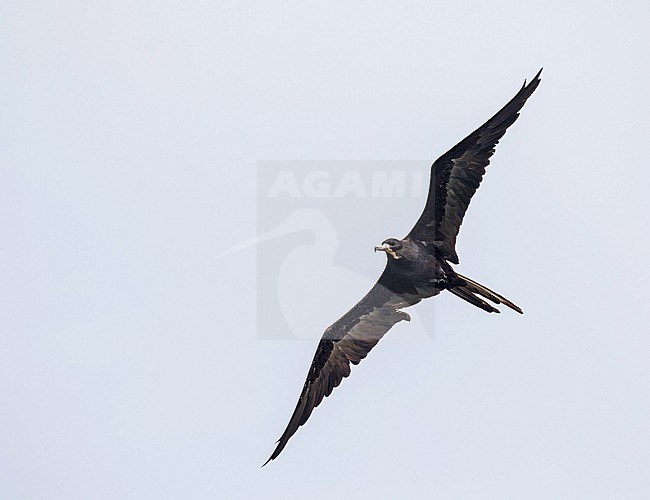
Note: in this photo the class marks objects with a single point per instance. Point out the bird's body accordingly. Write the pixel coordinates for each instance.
(418, 266)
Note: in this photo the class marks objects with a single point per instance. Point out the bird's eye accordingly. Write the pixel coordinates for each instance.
(393, 243)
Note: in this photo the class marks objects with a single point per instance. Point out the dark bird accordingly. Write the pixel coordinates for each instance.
(418, 266)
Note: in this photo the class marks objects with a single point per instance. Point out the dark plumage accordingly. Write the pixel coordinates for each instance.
(417, 266)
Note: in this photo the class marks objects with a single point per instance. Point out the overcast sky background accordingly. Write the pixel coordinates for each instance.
(131, 365)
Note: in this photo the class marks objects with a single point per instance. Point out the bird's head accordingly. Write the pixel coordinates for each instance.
(392, 247)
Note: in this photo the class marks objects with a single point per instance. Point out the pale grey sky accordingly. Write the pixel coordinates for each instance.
(131, 363)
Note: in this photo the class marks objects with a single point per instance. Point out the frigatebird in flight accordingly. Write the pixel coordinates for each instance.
(418, 266)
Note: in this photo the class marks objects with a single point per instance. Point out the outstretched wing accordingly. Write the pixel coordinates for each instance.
(349, 340)
(456, 175)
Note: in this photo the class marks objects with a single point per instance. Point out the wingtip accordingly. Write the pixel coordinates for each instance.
(535, 79)
(278, 449)
(273, 456)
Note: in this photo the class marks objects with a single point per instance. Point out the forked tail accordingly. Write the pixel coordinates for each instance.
(473, 291)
